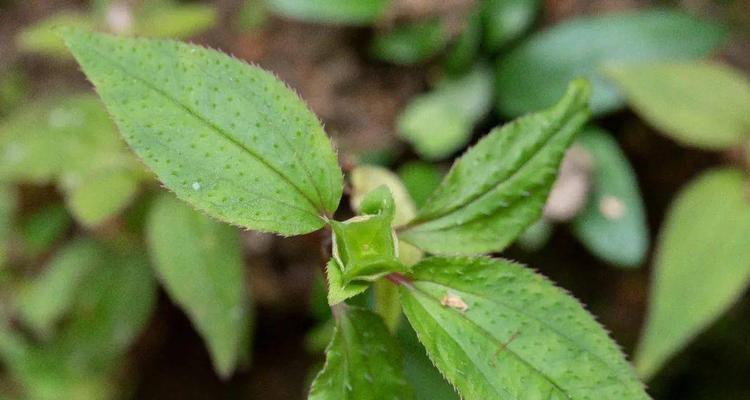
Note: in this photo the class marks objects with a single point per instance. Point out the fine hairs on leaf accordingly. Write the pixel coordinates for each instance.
(233, 141)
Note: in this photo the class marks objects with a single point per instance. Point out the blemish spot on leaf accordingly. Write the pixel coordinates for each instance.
(612, 207)
(455, 302)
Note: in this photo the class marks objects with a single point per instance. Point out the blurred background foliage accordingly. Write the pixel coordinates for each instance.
(109, 288)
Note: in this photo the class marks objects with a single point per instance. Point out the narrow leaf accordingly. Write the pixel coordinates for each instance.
(228, 138)
(613, 223)
(702, 265)
(699, 104)
(527, 80)
(498, 187)
(440, 122)
(362, 361)
(8, 206)
(199, 262)
(40, 37)
(497, 330)
(176, 21)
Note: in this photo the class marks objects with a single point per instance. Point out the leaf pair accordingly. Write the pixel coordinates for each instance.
(494, 328)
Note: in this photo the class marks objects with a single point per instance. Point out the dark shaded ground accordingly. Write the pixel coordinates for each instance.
(358, 100)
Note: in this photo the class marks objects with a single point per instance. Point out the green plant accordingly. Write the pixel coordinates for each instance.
(701, 264)
(234, 142)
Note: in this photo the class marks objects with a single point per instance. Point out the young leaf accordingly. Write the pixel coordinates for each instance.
(43, 301)
(200, 264)
(338, 289)
(528, 81)
(361, 12)
(613, 224)
(498, 187)
(497, 330)
(362, 361)
(699, 104)
(505, 20)
(440, 122)
(367, 178)
(702, 265)
(228, 138)
(411, 43)
(102, 195)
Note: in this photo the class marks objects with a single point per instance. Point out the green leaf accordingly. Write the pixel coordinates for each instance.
(366, 248)
(43, 302)
(338, 290)
(527, 80)
(360, 12)
(613, 223)
(536, 236)
(427, 380)
(497, 330)
(506, 20)
(411, 43)
(101, 196)
(362, 361)
(43, 228)
(464, 51)
(228, 138)
(701, 267)
(366, 178)
(199, 262)
(60, 138)
(498, 187)
(387, 303)
(699, 104)
(176, 20)
(8, 206)
(41, 37)
(440, 122)
(420, 179)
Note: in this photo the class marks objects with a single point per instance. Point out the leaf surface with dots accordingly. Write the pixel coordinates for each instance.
(229, 138)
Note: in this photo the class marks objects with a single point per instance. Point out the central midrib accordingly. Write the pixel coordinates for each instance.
(211, 125)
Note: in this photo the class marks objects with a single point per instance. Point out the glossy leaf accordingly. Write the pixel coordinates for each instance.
(367, 178)
(362, 361)
(613, 223)
(440, 122)
(497, 330)
(410, 44)
(527, 80)
(229, 138)
(43, 302)
(361, 12)
(199, 262)
(498, 187)
(698, 104)
(506, 20)
(702, 265)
